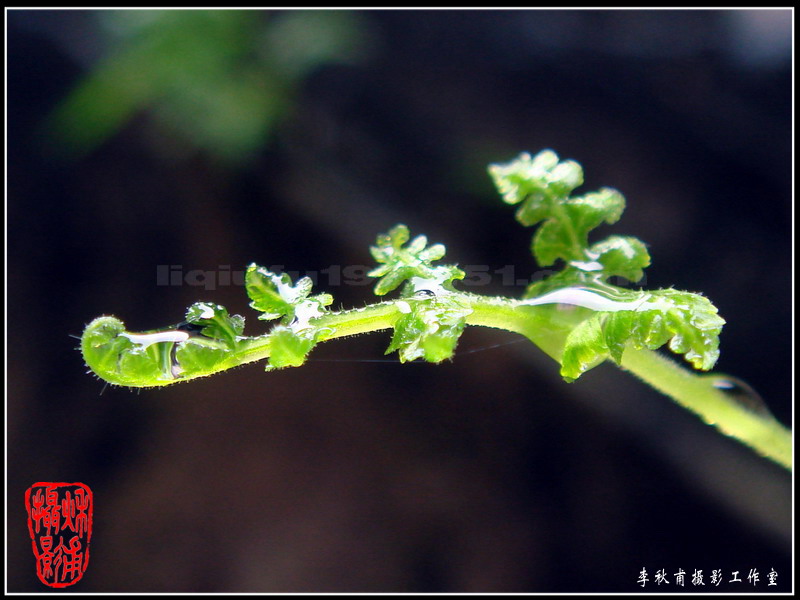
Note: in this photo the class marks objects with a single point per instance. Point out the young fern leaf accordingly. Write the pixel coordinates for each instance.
(210, 340)
(275, 296)
(412, 263)
(578, 315)
(687, 322)
(199, 346)
(432, 318)
(429, 328)
(541, 185)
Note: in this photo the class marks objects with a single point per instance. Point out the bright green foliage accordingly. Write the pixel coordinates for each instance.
(216, 322)
(115, 358)
(688, 322)
(431, 314)
(210, 339)
(432, 318)
(542, 186)
(537, 182)
(275, 296)
(289, 347)
(400, 264)
(565, 231)
(429, 329)
(588, 320)
(217, 341)
(620, 256)
(220, 81)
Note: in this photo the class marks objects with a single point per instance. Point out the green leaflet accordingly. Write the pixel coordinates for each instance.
(399, 264)
(432, 318)
(541, 186)
(429, 329)
(620, 256)
(537, 181)
(275, 296)
(289, 348)
(218, 340)
(215, 322)
(688, 322)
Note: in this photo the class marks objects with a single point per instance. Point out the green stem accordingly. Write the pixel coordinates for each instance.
(547, 327)
(341, 324)
(694, 392)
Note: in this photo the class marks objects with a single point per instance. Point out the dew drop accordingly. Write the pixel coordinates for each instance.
(207, 311)
(145, 339)
(741, 393)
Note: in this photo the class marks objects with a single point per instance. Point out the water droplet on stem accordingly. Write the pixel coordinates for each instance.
(741, 393)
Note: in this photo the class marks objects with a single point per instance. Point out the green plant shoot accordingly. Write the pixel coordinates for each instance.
(575, 315)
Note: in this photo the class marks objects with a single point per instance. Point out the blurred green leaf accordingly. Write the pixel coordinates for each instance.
(215, 80)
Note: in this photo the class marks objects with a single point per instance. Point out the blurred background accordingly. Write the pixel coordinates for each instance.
(195, 142)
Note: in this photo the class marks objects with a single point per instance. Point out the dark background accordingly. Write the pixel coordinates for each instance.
(212, 139)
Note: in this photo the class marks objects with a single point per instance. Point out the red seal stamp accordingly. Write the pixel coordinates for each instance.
(60, 524)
